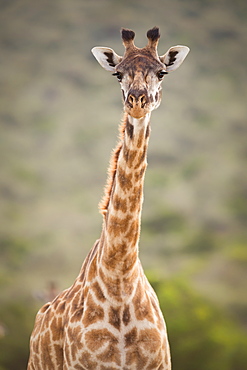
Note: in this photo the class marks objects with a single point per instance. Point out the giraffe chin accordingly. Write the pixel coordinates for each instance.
(137, 112)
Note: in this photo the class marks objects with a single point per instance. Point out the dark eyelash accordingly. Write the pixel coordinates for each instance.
(161, 74)
(118, 75)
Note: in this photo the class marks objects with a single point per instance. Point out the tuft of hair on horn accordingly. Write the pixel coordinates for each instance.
(153, 36)
(128, 37)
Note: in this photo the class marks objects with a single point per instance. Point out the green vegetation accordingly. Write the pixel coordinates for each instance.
(200, 335)
(18, 324)
(59, 113)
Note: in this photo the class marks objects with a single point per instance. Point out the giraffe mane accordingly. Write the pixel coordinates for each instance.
(104, 203)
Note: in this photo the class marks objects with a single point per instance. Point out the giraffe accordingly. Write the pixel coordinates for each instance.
(110, 317)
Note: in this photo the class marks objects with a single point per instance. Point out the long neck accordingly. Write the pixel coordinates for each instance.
(124, 197)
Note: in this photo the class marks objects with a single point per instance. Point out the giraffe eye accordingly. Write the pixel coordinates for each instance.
(118, 75)
(161, 74)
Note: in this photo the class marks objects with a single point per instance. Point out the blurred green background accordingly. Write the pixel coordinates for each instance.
(59, 113)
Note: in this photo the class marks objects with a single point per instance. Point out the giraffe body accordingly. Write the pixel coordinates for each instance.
(110, 317)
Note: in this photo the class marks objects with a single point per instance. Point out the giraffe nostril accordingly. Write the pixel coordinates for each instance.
(131, 100)
(135, 99)
(143, 99)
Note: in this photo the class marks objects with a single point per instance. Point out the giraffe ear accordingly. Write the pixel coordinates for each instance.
(106, 57)
(174, 57)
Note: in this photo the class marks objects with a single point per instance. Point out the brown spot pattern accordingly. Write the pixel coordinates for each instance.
(137, 347)
(74, 336)
(141, 157)
(133, 234)
(59, 356)
(114, 317)
(93, 312)
(135, 356)
(150, 340)
(67, 355)
(61, 308)
(46, 320)
(147, 130)
(97, 338)
(56, 302)
(92, 269)
(158, 314)
(115, 256)
(56, 328)
(140, 139)
(87, 362)
(129, 129)
(111, 354)
(98, 291)
(44, 308)
(129, 263)
(126, 315)
(77, 314)
(142, 305)
(129, 156)
(124, 179)
(46, 355)
(117, 225)
(135, 199)
(119, 204)
(75, 300)
(139, 174)
(130, 338)
(113, 286)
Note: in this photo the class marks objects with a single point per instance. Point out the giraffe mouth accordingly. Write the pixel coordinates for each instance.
(136, 112)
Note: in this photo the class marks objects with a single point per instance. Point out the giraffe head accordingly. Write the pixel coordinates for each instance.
(140, 71)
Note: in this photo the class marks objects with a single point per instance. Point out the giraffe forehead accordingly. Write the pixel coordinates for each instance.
(139, 62)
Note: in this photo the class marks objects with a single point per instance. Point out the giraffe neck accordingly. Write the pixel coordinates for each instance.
(122, 210)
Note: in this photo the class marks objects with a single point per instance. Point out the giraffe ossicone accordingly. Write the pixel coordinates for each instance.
(110, 317)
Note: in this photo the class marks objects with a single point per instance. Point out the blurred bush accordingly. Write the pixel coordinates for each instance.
(16, 324)
(201, 335)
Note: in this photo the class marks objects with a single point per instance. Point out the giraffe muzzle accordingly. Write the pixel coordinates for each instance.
(137, 104)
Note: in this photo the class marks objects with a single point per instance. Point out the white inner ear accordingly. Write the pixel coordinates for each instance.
(174, 57)
(106, 57)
